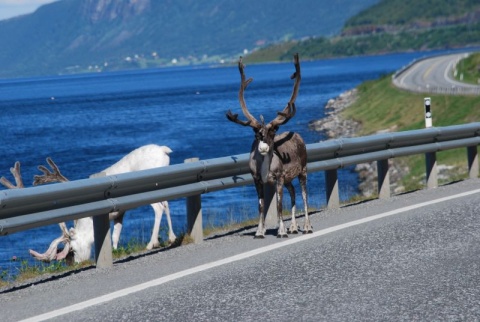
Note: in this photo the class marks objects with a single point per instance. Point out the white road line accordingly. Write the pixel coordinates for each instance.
(453, 81)
(445, 74)
(156, 282)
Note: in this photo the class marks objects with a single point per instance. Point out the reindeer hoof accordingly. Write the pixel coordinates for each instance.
(293, 229)
(282, 236)
(308, 231)
(259, 237)
(152, 245)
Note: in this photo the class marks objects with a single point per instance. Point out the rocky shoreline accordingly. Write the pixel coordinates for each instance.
(334, 126)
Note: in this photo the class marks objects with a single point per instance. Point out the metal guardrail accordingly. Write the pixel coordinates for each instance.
(454, 90)
(22, 209)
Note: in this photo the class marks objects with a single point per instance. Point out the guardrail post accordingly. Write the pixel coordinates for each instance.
(331, 183)
(472, 162)
(431, 162)
(194, 214)
(102, 237)
(383, 179)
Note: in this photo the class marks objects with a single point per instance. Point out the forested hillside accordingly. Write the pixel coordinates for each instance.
(395, 15)
(391, 26)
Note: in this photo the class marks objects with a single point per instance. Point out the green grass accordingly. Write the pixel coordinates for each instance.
(382, 106)
(28, 271)
(132, 247)
(468, 69)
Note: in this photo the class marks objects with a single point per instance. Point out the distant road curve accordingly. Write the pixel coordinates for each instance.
(434, 75)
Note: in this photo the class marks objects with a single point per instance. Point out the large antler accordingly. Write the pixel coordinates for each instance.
(49, 176)
(51, 253)
(289, 111)
(18, 178)
(251, 121)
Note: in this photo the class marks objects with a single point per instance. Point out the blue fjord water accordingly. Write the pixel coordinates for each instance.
(88, 122)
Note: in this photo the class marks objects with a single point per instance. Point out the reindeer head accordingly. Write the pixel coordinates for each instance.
(77, 240)
(265, 133)
(52, 252)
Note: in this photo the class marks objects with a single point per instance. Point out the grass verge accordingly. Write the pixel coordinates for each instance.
(381, 106)
(468, 69)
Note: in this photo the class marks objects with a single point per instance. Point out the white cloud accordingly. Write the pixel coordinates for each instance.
(12, 8)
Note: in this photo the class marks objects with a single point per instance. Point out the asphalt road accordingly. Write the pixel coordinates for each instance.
(434, 75)
(413, 257)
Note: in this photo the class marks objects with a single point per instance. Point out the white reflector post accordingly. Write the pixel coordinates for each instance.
(428, 112)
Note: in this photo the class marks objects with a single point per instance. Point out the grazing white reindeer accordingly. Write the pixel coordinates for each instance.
(276, 159)
(79, 239)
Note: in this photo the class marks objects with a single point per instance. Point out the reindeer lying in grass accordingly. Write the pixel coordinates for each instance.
(276, 159)
(79, 239)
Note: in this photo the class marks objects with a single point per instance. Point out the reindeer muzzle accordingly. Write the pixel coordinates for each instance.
(263, 148)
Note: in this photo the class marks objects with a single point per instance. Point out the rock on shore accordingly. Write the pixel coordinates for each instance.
(334, 126)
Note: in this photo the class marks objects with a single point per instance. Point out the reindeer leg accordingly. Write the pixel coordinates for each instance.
(158, 209)
(307, 227)
(117, 218)
(171, 234)
(293, 225)
(282, 232)
(261, 203)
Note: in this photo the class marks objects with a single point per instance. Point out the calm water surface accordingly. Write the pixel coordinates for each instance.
(88, 122)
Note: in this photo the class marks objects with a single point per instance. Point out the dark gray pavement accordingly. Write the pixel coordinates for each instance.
(435, 75)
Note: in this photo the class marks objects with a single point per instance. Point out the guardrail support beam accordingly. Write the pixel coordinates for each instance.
(383, 179)
(103, 241)
(431, 163)
(331, 183)
(102, 237)
(472, 162)
(194, 214)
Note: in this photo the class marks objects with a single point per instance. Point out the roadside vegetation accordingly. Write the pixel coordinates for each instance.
(381, 106)
(28, 271)
(468, 69)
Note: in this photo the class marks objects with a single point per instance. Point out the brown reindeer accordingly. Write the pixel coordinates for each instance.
(276, 159)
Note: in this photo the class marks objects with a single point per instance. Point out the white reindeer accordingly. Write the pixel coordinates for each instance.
(79, 239)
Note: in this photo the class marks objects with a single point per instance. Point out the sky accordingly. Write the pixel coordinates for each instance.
(12, 8)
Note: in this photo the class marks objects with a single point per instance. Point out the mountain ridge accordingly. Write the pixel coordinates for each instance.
(70, 36)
